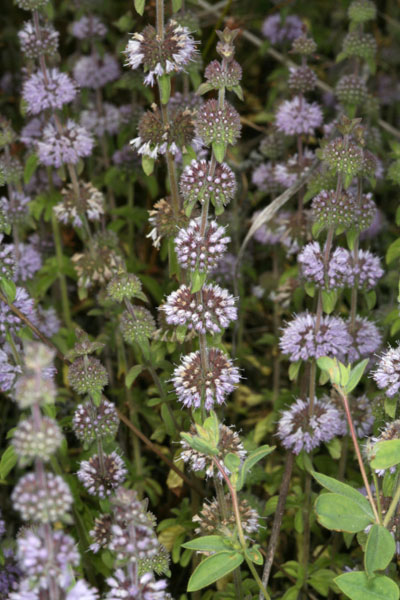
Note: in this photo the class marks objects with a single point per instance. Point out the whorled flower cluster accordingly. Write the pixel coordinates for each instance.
(60, 148)
(219, 380)
(299, 340)
(101, 475)
(299, 430)
(198, 185)
(387, 373)
(210, 310)
(52, 90)
(161, 56)
(297, 116)
(202, 253)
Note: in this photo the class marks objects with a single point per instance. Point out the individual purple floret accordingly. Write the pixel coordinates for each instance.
(96, 71)
(298, 430)
(277, 32)
(366, 339)
(88, 27)
(56, 149)
(299, 340)
(298, 116)
(52, 91)
(387, 374)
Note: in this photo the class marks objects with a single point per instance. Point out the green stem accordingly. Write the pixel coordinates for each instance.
(242, 539)
(61, 275)
(377, 493)
(392, 507)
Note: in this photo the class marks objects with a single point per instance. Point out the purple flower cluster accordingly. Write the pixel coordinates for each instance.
(278, 32)
(211, 310)
(298, 429)
(66, 147)
(52, 90)
(387, 373)
(297, 116)
(299, 339)
(96, 71)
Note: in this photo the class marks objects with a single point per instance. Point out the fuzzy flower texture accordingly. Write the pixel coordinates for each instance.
(160, 57)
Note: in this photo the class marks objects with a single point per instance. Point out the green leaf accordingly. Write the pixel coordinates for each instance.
(208, 543)
(390, 407)
(309, 289)
(30, 167)
(232, 462)
(213, 568)
(333, 485)
(351, 237)
(164, 83)
(237, 89)
(370, 298)
(294, 370)
(132, 374)
(7, 462)
(139, 6)
(252, 459)
(168, 420)
(211, 427)
(379, 550)
(393, 251)
(329, 300)
(147, 164)
(199, 445)
(340, 513)
(357, 586)
(355, 375)
(254, 555)
(387, 454)
(219, 150)
(198, 280)
(176, 5)
(9, 289)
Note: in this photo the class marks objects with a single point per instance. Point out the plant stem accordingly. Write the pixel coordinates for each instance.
(276, 525)
(242, 539)
(61, 275)
(392, 507)
(358, 453)
(377, 493)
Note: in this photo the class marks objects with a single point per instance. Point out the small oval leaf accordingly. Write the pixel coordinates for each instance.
(213, 568)
(379, 549)
(339, 513)
(357, 586)
(387, 454)
(207, 543)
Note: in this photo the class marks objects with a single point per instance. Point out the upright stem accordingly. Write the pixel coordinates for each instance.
(61, 275)
(276, 525)
(359, 457)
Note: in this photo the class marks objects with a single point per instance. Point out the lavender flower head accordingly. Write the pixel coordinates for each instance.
(101, 480)
(57, 149)
(160, 57)
(277, 32)
(88, 27)
(369, 269)
(299, 430)
(194, 252)
(299, 340)
(263, 177)
(212, 313)
(387, 374)
(95, 71)
(219, 381)
(52, 91)
(146, 589)
(366, 339)
(109, 121)
(298, 116)
(37, 562)
(339, 268)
